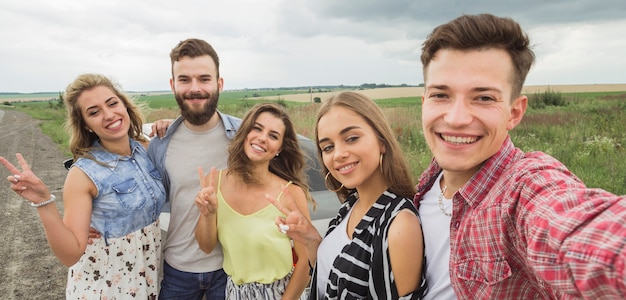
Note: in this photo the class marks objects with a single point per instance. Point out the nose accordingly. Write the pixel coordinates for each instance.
(195, 85)
(339, 153)
(107, 113)
(459, 112)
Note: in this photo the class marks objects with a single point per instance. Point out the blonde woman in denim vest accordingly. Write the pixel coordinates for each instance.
(112, 187)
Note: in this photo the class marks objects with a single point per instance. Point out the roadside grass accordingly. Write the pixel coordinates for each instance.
(586, 132)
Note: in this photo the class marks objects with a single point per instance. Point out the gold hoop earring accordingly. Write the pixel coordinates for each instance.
(326, 184)
(380, 163)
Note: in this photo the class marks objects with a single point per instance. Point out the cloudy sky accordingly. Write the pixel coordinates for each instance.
(283, 43)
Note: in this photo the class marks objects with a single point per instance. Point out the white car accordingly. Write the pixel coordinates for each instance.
(327, 202)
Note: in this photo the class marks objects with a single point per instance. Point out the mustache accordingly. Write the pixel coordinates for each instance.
(197, 96)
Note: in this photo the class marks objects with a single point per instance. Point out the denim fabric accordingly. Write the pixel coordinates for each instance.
(130, 193)
(181, 285)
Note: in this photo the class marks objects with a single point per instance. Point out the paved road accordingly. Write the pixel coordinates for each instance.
(28, 269)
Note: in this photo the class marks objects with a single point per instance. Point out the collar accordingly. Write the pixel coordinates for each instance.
(476, 189)
(111, 159)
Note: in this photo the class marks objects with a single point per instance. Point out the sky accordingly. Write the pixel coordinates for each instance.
(44, 44)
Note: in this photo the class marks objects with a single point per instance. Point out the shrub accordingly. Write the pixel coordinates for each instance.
(317, 100)
(548, 98)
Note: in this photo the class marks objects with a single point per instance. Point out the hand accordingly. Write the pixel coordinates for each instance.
(25, 183)
(294, 224)
(159, 127)
(206, 200)
(93, 234)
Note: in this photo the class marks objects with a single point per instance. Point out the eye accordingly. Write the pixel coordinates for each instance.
(274, 137)
(352, 139)
(113, 103)
(486, 98)
(92, 112)
(256, 128)
(438, 96)
(327, 148)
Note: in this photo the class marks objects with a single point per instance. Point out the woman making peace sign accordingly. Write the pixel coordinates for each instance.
(264, 158)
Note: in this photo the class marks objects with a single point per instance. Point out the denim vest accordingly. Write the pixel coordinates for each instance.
(129, 190)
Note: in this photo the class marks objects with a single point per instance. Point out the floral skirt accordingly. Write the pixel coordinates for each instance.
(125, 269)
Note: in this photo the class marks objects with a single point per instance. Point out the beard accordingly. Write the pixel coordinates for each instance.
(197, 116)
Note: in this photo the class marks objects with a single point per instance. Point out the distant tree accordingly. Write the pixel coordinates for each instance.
(60, 102)
(317, 100)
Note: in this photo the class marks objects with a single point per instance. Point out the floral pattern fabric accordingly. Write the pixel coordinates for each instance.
(125, 269)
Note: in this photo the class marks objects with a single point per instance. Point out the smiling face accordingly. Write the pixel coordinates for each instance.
(196, 87)
(265, 139)
(467, 108)
(105, 114)
(349, 148)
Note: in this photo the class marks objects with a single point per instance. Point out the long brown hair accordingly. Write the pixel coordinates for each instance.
(81, 140)
(288, 165)
(395, 168)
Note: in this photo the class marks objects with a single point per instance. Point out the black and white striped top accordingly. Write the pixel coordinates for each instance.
(363, 268)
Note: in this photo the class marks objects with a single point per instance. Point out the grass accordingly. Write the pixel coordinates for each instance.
(586, 133)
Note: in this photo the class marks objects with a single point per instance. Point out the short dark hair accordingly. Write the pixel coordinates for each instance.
(193, 48)
(483, 31)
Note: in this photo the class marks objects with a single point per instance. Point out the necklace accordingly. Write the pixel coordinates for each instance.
(440, 201)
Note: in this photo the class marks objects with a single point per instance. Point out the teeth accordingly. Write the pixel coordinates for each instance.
(458, 139)
(256, 147)
(346, 167)
(114, 124)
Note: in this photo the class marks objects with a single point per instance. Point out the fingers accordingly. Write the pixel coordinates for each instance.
(212, 178)
(16, 173)
(93, 233)
(283, 228)
(202, 178)
(23, 163)
(160, 127)
(208, 180)
(277, 204)
(154, 129)
(9, 166)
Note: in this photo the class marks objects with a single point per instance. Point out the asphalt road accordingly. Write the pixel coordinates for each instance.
(28, 269)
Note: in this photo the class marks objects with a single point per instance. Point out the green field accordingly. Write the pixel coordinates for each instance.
(586, 131)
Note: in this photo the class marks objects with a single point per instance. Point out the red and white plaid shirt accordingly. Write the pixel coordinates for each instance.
(525, 227)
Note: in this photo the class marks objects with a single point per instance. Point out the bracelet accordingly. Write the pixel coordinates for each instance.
(40, 204)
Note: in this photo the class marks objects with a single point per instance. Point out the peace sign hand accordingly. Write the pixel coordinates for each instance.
(294, 224)
(206, 200)
(25, 183)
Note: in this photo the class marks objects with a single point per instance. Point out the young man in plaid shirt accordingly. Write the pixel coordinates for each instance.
(500, 223)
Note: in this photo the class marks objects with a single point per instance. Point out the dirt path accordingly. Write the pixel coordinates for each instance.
(28, 269)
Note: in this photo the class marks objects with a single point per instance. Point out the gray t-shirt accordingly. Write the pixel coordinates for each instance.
(187, 151)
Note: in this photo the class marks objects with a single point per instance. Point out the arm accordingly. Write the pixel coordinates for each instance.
(575, 236)
(406, 248)
(66, 237)
(298, 227)
(206, 202)
(300, 277)
(159, 127)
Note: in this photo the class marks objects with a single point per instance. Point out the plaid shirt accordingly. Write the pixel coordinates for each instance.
(525, 227)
